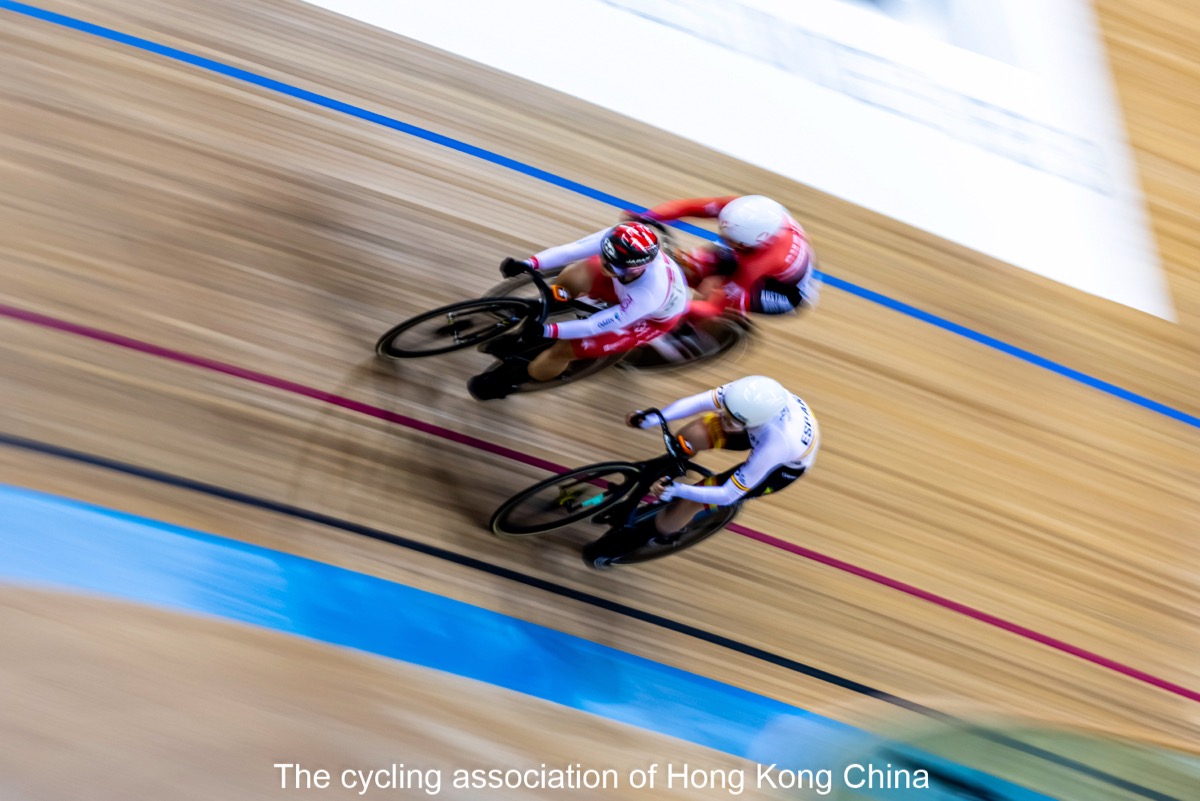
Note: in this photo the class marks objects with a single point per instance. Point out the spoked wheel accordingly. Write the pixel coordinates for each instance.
(453, 327)
(690, 343)
(564, 499)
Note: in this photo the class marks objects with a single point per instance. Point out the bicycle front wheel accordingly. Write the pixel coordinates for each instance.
(564, 499)
(453, 327)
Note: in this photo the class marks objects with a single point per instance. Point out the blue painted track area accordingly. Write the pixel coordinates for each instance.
(55, 543)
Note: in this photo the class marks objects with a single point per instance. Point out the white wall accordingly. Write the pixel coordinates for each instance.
(1023, 160)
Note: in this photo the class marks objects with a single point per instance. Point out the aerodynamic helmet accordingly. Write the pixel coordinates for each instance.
(751, 221)
(754, 400)
(627, 247)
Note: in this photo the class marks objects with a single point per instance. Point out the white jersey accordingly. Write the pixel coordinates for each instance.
(790, 441)
(659, 294)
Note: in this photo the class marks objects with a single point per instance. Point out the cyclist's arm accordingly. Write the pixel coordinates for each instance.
(685, 407)
(563, 255)
(638, 304)
(611, 319)
(690, 207)
(752, 472)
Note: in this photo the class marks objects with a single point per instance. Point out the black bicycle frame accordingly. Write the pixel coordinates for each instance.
(549, 302)
(674, 463)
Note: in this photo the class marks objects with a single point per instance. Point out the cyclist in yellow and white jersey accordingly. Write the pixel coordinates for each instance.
(754, 413)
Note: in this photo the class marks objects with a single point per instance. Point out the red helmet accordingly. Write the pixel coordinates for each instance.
(627, 247)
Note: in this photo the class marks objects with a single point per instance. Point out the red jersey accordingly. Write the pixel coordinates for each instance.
(787, 257)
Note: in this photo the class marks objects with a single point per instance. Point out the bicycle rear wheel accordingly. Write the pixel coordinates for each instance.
(564, 499)
(692, 342)
(576, 371)
(453, 327)
(703, 526)
(616, 549)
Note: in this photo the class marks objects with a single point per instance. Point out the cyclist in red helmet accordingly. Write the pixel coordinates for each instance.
(766, 265)
(623, 266)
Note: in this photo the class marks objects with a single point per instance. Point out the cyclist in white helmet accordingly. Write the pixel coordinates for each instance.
(754, 413)
(767, 265)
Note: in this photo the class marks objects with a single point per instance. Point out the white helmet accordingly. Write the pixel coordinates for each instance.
(754, 400)
(751, 221)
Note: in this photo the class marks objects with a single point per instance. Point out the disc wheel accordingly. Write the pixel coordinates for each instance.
(692, 342)
(564, 499)
(453, 327)
(703, 526)
(576, 371)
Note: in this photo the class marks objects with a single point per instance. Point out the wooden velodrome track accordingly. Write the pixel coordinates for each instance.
(154, 200)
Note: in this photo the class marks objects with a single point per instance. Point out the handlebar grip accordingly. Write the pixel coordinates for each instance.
(638, 418)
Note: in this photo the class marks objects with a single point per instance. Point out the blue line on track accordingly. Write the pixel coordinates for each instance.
(574, 186)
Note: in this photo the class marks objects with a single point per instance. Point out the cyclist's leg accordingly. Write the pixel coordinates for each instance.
(677, 515)
(581, 277)
(681, 512)
(708, 431)
(551, 363)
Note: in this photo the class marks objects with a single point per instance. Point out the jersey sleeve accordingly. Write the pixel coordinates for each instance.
(562, 255)
(690, 207)
(750, 474)
(686, 407)
(638, 304)
(723, 495)
(601, 322)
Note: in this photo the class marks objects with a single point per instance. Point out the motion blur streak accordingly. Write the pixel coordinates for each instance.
(462, 439)
(123, 588)
(612, 200)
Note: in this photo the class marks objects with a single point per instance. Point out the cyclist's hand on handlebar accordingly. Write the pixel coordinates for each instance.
(511, 268)
(629, 215)
(640, 419)
(663, 489)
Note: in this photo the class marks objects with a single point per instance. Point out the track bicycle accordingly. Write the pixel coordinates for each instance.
(495, 325)
(691, 342)
(613, 495)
